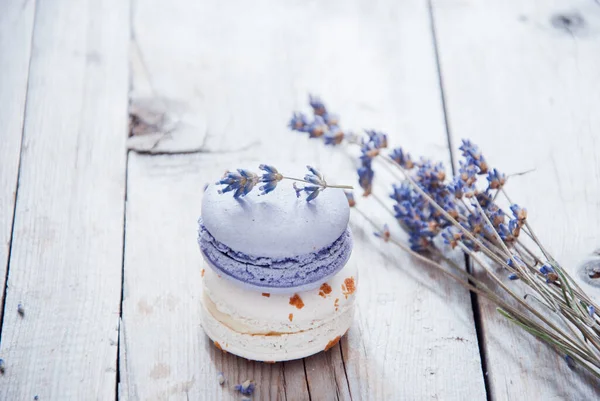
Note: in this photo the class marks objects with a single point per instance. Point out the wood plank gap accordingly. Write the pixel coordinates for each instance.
(477, 319)
(12, 229)
(118, 368)
(284, 383)
(345, 371)
(480, 333)
(119, 343)
(306, 377)
(441, 83)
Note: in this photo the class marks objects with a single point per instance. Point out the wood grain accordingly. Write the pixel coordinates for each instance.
(240, 69)
(16, 27)
(65, 265)
(523, 84)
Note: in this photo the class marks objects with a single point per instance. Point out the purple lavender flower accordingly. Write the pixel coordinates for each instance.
(451, 208)
(469, 191)
(334, 137)
(246, 388)
(384, 234)
(402, 158)
(476, 222)
(241, 182)
(271, 178)
(405, 209)
(331, 120)
(467, 173)
(546, 269)
(496, 179)
(473, 156)
(350, 197)
(519, 212)
(315, 177)
(317, 128)
(496, 216)
(419, 243)
(457, 187)
(591, 311)
(365, 179)
(368, 153)
(312, 192)
(298, 122)
(504, 233)
(513, 276)
(510, 262)
(514, 228)
(377, 139)
(401, 192)
(570, 361)
(485, 199)
(452, 236)
(297, 189)
(430, 177)
(317, 105)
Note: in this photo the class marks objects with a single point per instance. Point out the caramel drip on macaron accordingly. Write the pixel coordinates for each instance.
(219, 346)
(332, 343)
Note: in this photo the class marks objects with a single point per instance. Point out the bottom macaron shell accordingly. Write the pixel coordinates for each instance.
(281, 347)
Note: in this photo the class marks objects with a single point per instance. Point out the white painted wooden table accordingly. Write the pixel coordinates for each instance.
(115, 113)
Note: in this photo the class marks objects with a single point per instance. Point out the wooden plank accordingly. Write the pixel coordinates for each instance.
(326, 375)
(16, 27)
(521, 80)
(65, 265)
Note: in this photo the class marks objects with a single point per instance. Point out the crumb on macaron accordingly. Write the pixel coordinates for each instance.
(297, 301)
(348, 287)
(325, 290)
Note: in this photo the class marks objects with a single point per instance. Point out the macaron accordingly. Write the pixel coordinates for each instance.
(278, 327)
(275, 243)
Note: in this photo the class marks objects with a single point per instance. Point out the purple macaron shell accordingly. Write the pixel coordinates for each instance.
(292, 274)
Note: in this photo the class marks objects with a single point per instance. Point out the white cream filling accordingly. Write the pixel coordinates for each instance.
(227, 320)
(238, 325)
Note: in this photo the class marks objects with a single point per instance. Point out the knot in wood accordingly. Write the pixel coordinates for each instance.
(589, 271)
(569, 22)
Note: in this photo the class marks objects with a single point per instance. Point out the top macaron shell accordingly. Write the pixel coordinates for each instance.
(276, 225)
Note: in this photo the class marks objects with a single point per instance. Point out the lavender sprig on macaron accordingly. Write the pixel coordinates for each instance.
(243, 181)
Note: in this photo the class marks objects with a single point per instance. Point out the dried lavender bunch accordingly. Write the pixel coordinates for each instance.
(464, 213)
(242, 182)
